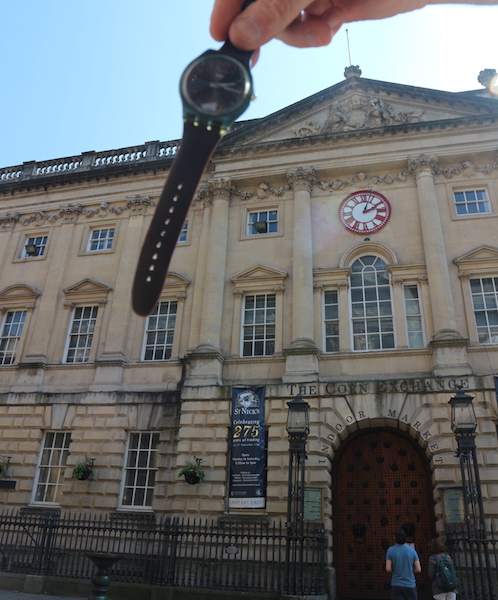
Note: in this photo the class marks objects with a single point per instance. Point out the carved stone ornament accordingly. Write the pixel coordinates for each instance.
(301, 178)
(69, 213)
(363, 111)
(422, 162)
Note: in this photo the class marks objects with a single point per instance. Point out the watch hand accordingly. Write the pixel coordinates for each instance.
(225, 86)
(366, 209)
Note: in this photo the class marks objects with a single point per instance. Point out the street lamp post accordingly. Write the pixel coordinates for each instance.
(464, 426)
(298, 430)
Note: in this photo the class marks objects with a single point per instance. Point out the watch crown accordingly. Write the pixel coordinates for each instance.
(253, 97)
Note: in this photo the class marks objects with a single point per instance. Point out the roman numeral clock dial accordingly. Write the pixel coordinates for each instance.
(364, 212)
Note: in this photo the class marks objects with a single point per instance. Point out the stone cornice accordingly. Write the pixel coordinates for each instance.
(298, 144)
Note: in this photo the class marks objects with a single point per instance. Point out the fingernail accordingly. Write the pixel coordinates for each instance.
(249, 29)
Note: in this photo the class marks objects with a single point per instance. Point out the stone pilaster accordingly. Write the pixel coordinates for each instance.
(206, 360)
(449, 347)
(302, 344)
(109, 364)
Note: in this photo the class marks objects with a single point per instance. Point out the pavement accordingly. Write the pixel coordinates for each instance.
(12, 595)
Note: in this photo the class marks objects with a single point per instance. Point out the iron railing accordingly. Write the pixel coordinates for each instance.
(183, 552)
(475, 556)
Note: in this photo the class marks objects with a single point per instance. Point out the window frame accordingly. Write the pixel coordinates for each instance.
(161, 301)
(90, 349)
(7, 338)
(246, 211)
(377, 316)
(325, 320)
(254, 325)
(149, 469)
(184, 233)
(61, 467)
(486, 310)
(420, 314)
(474, 190)
(21, 256)
(89, 240)
(258, 279)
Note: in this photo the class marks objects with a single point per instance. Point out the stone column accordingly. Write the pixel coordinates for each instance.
(443, 311)
(302, 363)
(206, 360)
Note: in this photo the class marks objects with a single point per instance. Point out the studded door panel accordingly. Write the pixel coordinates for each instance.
(381, 484)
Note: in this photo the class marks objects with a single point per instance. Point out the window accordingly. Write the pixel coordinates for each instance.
(262, 222)
(159, 332)
(472, 202)
(371, 309)
(331, 310)
(485, 303)
(140, 469)
(81, 334)
(183, 232)
(413, 315)
(259, 325)
(34, 246)
(100, 239)
(11, 333)
(51, 467)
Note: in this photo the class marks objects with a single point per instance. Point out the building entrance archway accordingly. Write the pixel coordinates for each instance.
(381, 482)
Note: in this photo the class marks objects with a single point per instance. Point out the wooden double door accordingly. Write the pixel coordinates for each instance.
(381, 482)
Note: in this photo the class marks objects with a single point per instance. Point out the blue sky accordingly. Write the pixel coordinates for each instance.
(103, 74)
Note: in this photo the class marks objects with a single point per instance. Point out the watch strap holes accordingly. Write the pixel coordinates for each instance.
(179, 186)
(148, 279)
(155, 256)
(151, 267)
(159, 244)
(175, 198)
(171, 210)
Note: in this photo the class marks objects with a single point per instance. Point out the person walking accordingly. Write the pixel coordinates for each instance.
(402, 562)
(442, 572)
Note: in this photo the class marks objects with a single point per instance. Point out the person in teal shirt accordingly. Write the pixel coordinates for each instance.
(402, 562)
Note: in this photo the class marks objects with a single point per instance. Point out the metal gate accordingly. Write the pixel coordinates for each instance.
(381, 483)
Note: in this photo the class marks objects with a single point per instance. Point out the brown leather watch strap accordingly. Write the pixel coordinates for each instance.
(197, 146)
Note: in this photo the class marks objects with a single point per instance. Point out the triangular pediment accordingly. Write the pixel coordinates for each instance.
(86, 290)
(357, 104)
(259, 273)
(482, 254)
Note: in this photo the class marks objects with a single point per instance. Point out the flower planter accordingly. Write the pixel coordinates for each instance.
(85, 475)
(192, 478)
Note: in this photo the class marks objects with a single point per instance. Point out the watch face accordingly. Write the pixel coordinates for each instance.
(364, 212)
(216, 85)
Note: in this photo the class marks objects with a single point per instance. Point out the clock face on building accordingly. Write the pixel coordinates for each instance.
(364, 211)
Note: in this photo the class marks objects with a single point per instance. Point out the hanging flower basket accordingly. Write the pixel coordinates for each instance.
(84, 469)
(192, 471)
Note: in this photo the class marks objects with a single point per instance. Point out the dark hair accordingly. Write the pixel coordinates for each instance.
(436, 546)
(400, 535)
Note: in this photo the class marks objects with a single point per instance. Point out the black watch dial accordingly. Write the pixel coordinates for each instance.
(216, 85)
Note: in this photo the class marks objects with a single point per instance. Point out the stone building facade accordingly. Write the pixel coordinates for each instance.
(344, 248)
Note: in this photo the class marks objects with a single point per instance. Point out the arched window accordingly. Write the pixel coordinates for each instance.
(371, 306)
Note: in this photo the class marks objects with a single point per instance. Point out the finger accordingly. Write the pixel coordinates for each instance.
(264, 20)
(224, 12)
(311, 32)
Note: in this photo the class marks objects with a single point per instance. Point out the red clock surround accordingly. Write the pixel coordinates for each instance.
(364, 211)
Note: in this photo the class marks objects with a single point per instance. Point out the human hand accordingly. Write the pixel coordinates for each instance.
(302, 23)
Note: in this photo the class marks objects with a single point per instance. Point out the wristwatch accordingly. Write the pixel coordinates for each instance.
(215, 89)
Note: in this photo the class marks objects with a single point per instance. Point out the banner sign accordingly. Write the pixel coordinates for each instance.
(247, 484)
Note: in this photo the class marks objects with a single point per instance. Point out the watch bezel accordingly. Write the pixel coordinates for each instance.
(193, 111)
